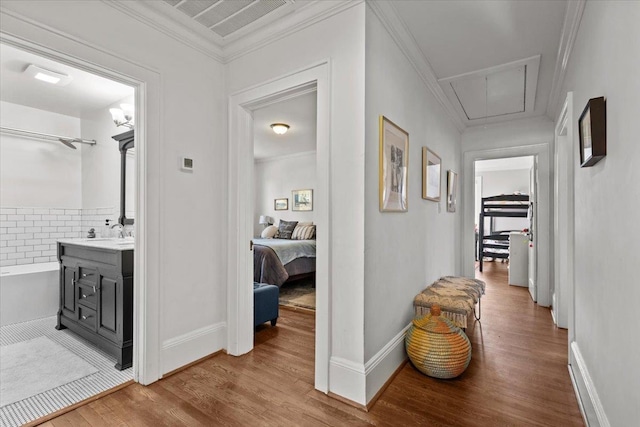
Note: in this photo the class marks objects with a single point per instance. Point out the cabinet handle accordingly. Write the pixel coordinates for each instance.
(84, 274)
(84, 296)
(84, 317)
(94, 289)
(73, 282)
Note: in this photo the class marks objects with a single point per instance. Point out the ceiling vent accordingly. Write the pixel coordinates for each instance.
(498, 93)
(225, 17)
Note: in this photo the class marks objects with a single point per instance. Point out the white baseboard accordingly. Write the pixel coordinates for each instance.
(553, 309)
(588, 398)
(347, 379)
(187, 348)
(384, 363)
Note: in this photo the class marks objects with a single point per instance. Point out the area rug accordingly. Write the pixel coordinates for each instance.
(301, 294)
(35, 366)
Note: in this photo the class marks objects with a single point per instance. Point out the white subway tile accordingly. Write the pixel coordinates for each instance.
(71, 235)
(48, 241)
(50, 252)
(33, 254)
(24, 236)
(33, 217)
(33, 242)
(3, 217)
(5, 237)
(76, 217)
(71, 211)
(49, 217)
(56, 235)
(57, 223)
(62, 229)
(49, 229)
(9, 224)
(53, 258)
(33, 229)
(25, 223)
(41, 223)
(15, 217)
(24, 211)
(15, 230)
(8, 211)
(15, 243)
(41, 211)
(3, 257)
(25, 248)
(72, 223)
(8, 250)
(15, 255)
(3, 243)
(54, 247)
(41, 247)
(41, 259)
(24, 261)
(56, 211)
(7, 263)
(40, 235)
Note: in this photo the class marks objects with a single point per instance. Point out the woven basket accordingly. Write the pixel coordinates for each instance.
(436, 346)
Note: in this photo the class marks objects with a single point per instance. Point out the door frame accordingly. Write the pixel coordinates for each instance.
(564, 228)
(241, 200)
(146, 83)
(542, 153)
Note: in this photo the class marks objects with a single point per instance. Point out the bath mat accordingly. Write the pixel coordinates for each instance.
(35, 366)
(298, 295)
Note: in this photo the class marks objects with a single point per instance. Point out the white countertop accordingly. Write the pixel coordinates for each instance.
(117, 244)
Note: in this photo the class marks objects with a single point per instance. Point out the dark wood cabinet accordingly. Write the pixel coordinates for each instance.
(96, 296)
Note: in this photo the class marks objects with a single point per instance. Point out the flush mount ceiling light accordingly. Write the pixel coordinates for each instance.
(48, 76)
(280, 128)
(122, 116)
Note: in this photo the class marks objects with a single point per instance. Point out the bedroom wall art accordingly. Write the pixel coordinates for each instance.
(302, 200)
(281, 204)
(592, 127)
(452, 191)
(393, 167)
(431, 166)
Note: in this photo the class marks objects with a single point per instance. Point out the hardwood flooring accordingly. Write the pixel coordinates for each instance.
(517, 376)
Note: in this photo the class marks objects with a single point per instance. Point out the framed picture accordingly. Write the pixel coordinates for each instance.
(431, 163)
(302, 200)
(393, 167)
(592, 127)
(281, 204)
(452, 190)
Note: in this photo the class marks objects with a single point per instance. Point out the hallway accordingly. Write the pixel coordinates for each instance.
(517, 376)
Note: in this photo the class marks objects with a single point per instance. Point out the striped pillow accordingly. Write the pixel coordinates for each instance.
(304, 232)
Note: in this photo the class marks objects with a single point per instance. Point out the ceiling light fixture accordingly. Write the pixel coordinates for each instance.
(48, 76)
(280, 128)
(123, 116)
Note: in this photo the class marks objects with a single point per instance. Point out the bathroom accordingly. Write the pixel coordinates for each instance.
(61, 173)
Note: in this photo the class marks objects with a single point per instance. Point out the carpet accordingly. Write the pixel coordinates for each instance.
(298, 294)
(35, 366)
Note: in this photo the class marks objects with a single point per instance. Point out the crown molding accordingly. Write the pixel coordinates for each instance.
(570, 26)
(157, 15)
(398, 30)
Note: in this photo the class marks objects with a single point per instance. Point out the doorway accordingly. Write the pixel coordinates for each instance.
(242, 221)
(44, 145)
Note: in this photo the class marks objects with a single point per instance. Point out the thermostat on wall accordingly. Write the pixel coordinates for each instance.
(186, 164)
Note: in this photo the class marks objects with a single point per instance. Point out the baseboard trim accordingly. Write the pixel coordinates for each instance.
(589, 401)
(384, 364)
(347, 401)
(348, 380)
(193, 346)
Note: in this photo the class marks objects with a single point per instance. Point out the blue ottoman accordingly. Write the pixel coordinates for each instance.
(265, 303)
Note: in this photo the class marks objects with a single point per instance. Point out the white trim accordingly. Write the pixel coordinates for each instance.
(194, 345)
(348, 379)
(32, 36)
(240, 181)
(384, 363)
(286, 157)
(570, 26)
(590, 403)
(544, 221)
(397, 29)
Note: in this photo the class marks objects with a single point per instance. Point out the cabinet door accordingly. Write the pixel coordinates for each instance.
(108, 309)
(68, 297)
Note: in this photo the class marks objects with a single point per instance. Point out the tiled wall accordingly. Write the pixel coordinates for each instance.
(29, 235)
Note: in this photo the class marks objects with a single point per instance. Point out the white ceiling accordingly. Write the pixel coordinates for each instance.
(86, 92)
(299, 113)
(511, 163)
(459, 37)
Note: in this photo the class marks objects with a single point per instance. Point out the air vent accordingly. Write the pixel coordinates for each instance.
(225, 17)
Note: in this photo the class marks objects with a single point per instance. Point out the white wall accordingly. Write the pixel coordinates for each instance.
(186, 115)
(339, 38)
(605, 62)
(36, 173)
(404, 252)
(275, 178)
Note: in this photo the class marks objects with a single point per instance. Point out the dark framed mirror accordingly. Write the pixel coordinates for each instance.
(126, 141)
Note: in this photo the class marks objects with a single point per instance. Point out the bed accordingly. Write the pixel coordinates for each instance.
(276, 261)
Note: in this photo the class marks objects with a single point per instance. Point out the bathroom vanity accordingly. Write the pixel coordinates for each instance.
(96, 293)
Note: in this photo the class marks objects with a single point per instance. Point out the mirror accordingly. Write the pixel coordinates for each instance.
(126, 141)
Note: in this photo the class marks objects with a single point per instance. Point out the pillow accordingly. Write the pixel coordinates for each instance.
(269, 232)
(306, 223)
(285, 229)
(304, 232)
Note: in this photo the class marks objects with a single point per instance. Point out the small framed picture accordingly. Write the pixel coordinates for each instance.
(452, 190)
(302, 200)
(592, 127)
(281, 204)
(431, 165)
(393, 167)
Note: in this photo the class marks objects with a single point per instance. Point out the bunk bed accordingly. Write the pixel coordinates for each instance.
(495, 244)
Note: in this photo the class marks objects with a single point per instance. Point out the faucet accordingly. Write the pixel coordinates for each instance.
(120, 230)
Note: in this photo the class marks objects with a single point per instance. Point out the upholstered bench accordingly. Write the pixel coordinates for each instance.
(265, 303)
(456, 296)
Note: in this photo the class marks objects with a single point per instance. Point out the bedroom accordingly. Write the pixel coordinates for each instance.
(284, 180)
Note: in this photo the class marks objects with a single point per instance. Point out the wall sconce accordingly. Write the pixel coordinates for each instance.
(280, 128)
(265, 220)
(122, 116)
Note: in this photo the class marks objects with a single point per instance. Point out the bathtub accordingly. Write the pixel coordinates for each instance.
(28, 292)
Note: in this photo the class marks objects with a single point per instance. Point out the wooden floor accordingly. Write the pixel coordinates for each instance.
(517, 376)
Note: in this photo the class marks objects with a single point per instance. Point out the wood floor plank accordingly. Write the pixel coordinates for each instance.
(517, 376)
